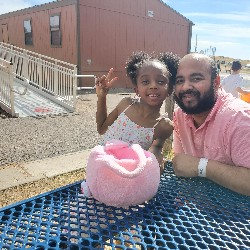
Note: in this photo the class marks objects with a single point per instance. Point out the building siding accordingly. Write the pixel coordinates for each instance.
(116, 28)
(100, 34)
(41, 31)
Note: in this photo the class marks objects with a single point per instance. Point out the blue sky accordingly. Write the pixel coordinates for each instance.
(220, 24)
(223, 25)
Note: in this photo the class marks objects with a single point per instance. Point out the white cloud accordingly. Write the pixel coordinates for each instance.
(236, 51)
(233, 16)
(218, 23)
(222, 31)
(229, 41)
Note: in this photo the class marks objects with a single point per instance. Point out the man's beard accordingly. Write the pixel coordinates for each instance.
(204, 103)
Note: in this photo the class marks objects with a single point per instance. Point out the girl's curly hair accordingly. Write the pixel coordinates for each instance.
(135, 62)
(171, 60)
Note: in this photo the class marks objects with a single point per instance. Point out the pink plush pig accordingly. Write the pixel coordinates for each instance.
(121, 175)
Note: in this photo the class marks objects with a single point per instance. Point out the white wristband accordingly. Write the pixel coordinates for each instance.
(202, 167)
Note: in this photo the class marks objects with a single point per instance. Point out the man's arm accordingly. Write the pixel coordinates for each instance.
(232, 177)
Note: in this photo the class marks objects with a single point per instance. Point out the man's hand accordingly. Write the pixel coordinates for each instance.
(185, 165)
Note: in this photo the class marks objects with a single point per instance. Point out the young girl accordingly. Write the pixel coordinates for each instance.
(138, 120)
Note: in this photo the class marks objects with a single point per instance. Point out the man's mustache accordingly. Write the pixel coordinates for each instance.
(189, 92)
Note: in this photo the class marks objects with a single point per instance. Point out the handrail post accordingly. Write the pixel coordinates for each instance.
(11, 86)
(74, 86)
(25, 65)
(39, 72)
(56, 79)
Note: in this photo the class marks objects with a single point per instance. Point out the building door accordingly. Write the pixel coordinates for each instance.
(5, 34)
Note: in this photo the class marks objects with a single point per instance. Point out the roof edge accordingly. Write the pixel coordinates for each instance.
(176, 12)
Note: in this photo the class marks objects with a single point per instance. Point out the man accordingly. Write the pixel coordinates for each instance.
(233, 83)
(212, 128)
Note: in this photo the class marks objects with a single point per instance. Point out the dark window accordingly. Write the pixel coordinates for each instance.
(55, 32)
(27, 32)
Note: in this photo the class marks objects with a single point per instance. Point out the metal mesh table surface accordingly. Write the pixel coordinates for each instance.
(186, 213)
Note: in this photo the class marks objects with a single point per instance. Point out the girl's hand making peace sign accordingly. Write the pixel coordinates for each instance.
(104, 83)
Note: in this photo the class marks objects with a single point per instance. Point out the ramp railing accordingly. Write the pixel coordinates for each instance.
(6, 87)
(54, 79)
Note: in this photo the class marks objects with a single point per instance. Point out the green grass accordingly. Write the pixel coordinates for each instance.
(168, 155)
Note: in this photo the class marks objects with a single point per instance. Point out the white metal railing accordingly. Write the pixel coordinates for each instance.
(6, 87)
(55, 79)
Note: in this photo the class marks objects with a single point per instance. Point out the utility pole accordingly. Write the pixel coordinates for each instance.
(195, 47)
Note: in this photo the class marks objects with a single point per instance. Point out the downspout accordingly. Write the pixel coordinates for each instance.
(189, 37)
(78, 35)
